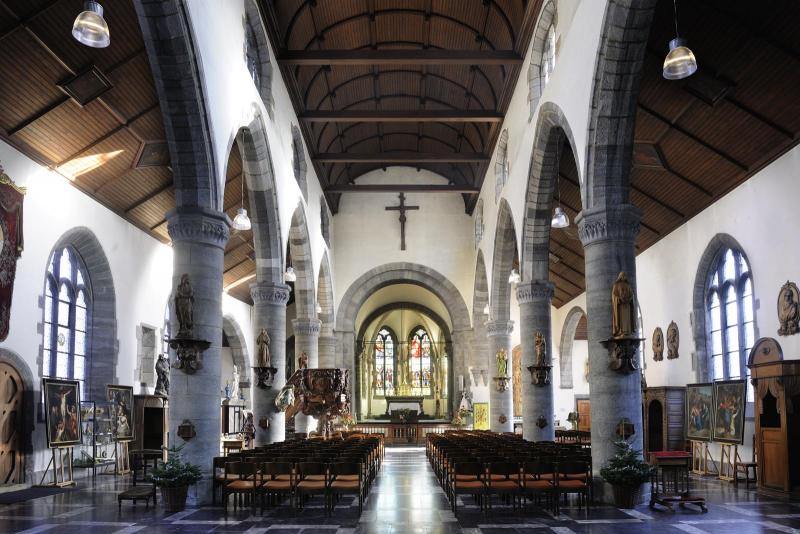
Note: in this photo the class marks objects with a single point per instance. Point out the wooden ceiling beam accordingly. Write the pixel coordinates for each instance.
(400, 57)
(150, 196)
(410, 158)
(401, 188)
(401, 116)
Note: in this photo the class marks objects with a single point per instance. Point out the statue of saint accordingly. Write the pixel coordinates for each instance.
(502, 363)
(540, 350)
(788, 310)
(162, 372)
(623, 308)
(262, 341)
(184, 304)
(302, 361)
(235, 382)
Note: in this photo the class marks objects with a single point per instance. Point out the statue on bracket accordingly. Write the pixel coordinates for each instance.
(302, 361)
(187, 348)
(540, 350)
(184, 307)
(262, 341)
(502, 363)
(658, 344)
(673, 339)
(162, 372)
(789, 309)
(623, 308)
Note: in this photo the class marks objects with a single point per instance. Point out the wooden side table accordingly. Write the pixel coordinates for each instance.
(670, 481)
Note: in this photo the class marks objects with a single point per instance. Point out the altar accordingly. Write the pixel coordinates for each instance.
(404, 402)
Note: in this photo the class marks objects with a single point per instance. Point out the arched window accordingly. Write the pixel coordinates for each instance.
(299, 160)
(166, 332)
(730, 322)
(67, 316)
(419, 351)
(548, 57)
(478, 223)
(256, 53)
(501, 165)
(251, 52)
(384, 362)
(324, 220)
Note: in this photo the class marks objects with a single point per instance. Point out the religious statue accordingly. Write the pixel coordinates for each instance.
(502, 363)
(672, 341)
(162, 372)
(789, 309)
(262, 341)
(658, 344)
(376, 379)
(184, 304)
(248, 428)
(540, 350)
(623, 308)
(235, 382)
(302, 361)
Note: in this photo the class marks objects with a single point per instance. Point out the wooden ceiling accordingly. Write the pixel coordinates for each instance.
(423, 83)
(698, 138)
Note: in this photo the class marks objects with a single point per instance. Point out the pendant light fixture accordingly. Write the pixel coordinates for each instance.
(242, 221)
(680, 62)
(289, 275)
(90, 27)
(319, 308)
(486, 310)
(560, 219)
(514, 277)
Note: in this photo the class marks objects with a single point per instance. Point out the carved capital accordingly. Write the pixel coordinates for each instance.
(610, 222)
(307, 327)
(198, 225)
(534, 291)
(499, 328)
(269, 293)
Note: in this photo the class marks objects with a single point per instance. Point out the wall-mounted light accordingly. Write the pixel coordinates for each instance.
(90, 27)
(680, 62)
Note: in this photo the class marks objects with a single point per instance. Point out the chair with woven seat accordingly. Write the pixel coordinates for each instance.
(467, 478)
(503, 479)
(573, 477)
(312, 479)
(346, 478)
(240, 480)
(277, 478)
(537, 480)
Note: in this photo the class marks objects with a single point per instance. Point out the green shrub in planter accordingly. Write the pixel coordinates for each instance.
(626, 472)
(174, 478)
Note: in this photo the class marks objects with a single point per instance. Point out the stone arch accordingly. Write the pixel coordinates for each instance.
(701, 357)
(241, 358)
(565, 348)
(175, 62)
(480, 299)
(102, 346)
(552, 134)
(548, 16)
(29, 400)
(505, 243)
(612, 116)
(302, 261)
(263, 196)
(258, 59)
(299, 163)
(325, 296)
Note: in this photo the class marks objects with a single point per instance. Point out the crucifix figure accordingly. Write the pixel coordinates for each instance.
(402, 208)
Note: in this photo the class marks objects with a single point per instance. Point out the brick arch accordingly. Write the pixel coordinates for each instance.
(612, 116)
(565, 348)
(303, 263)
(29, 399)
(715, 247)
(102, 346)
(175, 62)
(505, 242)
(553, 134)
(255, 23)
(263, 196)
(548, 16)
(241, 358)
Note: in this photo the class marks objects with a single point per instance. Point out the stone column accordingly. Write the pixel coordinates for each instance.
(269, 311)
(459, 363)
(501, 403)
(306, 339)
(327, 350)
(608, 235)
(198, 239)
(537, 401)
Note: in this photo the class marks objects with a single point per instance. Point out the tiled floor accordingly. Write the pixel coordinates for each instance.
(406, 499)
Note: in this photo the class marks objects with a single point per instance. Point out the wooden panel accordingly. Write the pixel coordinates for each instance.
(584, 414)
(773, 459)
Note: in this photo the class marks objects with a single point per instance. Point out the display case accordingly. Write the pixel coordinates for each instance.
(97, 448)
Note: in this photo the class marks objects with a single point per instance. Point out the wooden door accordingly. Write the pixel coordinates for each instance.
(772, 459)
(12, 469)
(584, 417)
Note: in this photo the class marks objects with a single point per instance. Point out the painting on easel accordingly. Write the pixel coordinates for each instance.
(729, 399)
(121, 399)
(699, 408)
(62, 412)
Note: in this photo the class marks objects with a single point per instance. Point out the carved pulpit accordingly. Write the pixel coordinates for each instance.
(319, 393)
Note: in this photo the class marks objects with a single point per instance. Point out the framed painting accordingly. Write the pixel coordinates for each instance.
(121, 399)
(62, 412)
(729, 405)
(699, 409)
(480, 412)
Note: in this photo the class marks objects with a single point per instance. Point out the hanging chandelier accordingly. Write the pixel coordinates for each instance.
(90, 27)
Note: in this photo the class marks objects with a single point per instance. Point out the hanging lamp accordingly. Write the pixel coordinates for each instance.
(289, 275)
(560, 219)
(680, 62)
(90, 27)
(514, 277)
(241, 221)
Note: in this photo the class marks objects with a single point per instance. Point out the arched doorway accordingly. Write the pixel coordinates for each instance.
(655, 426)
(16, 420)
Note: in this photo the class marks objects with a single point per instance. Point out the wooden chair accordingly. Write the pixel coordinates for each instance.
(218, 473)
(346, 478)
(312, 479)
(241, 479)
(573, 477)
(502, 479)
(277, 478)
(467, 478)
(745, 467)
(537, 480)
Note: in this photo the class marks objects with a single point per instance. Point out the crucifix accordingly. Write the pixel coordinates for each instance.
(402, 208)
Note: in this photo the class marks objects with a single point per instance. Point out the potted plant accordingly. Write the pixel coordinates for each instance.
(626, 472)
(174, 478)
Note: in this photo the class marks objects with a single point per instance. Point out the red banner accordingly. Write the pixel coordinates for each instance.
(11, 243)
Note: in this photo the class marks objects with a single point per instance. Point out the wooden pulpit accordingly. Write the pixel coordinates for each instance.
(777, 417)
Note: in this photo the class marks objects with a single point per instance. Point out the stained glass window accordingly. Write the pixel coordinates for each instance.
(384, 362)
(419, 351)
(67, 315)
(730, 322)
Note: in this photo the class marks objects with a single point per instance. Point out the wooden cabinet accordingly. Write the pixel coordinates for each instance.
(664, 419)
(151, 421)
(777, 418)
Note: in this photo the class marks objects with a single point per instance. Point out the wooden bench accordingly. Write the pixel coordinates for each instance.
(138, 493)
